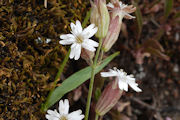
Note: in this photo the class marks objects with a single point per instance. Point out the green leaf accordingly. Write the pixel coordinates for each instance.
(177, 15)
(97, 94)
(88, 14)
(157, 53)
(168, 7)
(73, 82)
(139, 18)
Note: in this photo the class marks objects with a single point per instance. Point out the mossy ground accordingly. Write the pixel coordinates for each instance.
(28, 65)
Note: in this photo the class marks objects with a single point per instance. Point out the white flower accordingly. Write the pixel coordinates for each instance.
(122, 10)
(79, 38)
(123, 79)
(64, 112)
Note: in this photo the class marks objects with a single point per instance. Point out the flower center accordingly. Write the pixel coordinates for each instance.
(79, 39)
(63, 118)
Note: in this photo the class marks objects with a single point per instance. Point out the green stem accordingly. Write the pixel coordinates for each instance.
(88, 14)
(61, 68)
(97, 116)
(101, 57)
(92, 80)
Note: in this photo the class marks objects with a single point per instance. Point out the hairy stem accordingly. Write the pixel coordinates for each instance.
(97, 116)
(61, 68)
(92, 80)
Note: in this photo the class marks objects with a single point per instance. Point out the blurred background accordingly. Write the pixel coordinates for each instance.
(30, 55)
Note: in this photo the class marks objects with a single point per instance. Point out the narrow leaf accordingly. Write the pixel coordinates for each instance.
(139, 18)
(168, 5)
(73, 82)
(157, 53)
(88, 14)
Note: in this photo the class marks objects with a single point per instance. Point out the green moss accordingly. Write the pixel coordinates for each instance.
(27, 67)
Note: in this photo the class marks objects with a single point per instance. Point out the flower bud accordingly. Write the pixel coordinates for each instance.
(109, 98)
(87, 55)
(100, 17)
(112, 35)
(118, 12)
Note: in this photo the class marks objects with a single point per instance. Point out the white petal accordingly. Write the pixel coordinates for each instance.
(91, 42)
(52, 115)
(108, 74)
(77, 52)
(73, 51)
(49, 117)
(123, 85)
(63, 107)
(67, 36)
(74, 28)
(78, 26)
(130, 79)
(122, 5)
(129, 16)
(114, 71)
(73, 45)
(111, 73)
(76, 115)
(135, 87)
(88, 47)
(110, 5)
(89, 31)
(71, 56)
(66, 42)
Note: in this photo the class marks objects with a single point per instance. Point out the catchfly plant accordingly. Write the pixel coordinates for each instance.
(106, 21)
(123, 79)
(63, 113)
(79, 39)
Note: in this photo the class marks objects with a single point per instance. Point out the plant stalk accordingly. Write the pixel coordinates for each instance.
(61, 68)
(97, 116)
(58, 75)
(92, 80)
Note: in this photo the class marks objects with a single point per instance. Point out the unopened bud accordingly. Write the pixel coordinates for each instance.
(108, 99)
(112, 35)
(87, 55)
(100, 17)
(118, 11)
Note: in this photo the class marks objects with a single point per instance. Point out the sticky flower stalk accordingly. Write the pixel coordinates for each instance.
(92, 80)
(61, 68)
(58, 75)
(96, 117)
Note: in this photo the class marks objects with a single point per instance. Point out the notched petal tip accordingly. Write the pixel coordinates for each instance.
(138, 90)
(128, 16)
(110, 5)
